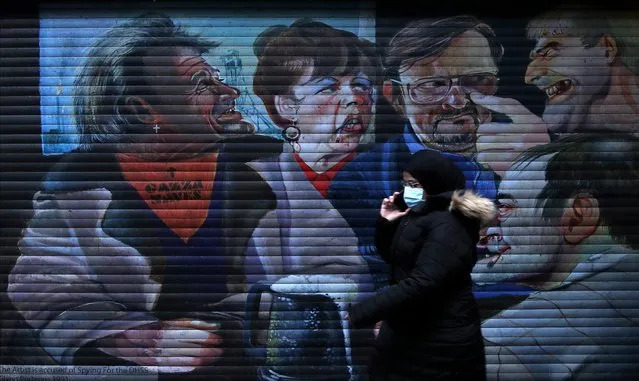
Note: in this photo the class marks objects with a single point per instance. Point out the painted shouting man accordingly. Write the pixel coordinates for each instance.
(142, 220)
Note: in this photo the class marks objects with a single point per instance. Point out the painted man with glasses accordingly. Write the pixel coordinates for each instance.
(442, 77)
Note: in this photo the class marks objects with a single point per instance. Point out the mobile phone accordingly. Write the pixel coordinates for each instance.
(399, 201)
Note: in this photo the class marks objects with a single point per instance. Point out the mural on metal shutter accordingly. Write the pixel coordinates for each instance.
(213, 206)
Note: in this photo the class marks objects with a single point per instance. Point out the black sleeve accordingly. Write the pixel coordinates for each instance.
(441, 257)
(384, 234)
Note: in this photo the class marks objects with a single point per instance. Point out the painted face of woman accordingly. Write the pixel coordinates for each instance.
(334, 111)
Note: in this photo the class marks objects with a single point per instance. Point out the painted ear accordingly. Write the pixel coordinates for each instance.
(580, 219)
(287, 106)
(610, 45)
(139, 110)
(394, 97)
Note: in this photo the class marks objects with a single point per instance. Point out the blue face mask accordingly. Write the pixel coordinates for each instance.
(414, 197)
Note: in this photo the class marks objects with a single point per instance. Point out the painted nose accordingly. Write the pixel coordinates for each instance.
(349, 98)
(456, 99)
(228, 93)
(534, 72)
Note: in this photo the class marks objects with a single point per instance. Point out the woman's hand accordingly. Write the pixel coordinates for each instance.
(377, 327)
(389, 210)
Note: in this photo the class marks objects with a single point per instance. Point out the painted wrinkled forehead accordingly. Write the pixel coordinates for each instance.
(174, 66)
(470, 47)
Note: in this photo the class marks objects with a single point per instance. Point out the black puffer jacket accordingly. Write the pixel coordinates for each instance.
(431, 327)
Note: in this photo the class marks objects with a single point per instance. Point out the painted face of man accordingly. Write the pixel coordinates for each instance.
(436, 93)
(572, 77)
(525, 244)
(192, 104)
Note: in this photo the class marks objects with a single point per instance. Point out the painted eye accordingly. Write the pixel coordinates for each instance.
(328, 90)
(435, 83)
(362, 85)
(199, 75)
(549, 53)
(216, 77)
(203, 79)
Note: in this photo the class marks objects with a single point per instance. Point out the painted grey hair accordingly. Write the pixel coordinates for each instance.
(571, 21)
(429, 38)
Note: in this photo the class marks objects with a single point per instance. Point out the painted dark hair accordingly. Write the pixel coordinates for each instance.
(606, 167)
(285, 53)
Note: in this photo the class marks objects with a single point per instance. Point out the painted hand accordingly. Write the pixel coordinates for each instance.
(175, 346)
(499, 144)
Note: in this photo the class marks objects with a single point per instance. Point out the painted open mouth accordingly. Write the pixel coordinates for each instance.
(493, 248)
(353, 125)
(558, 88)
(223, 114)
(463, 119)
(493, 257)
(225, 119)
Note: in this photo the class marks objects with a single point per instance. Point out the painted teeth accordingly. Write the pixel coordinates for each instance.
(552, 90)
(558, 88)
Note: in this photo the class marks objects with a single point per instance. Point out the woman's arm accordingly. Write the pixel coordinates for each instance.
(391, 213)
(440, 258)
(384, 234)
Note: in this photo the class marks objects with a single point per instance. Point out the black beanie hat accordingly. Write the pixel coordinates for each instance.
(435, 172)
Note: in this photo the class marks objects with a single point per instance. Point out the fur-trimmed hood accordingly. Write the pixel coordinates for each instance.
(473, 206)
